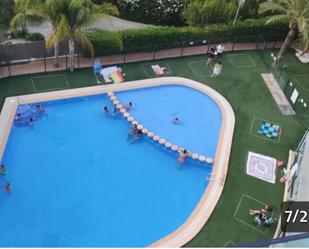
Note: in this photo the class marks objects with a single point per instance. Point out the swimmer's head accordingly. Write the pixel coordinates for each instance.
(184, 151)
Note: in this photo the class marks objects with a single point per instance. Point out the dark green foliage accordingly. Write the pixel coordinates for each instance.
(148, 39)
(199, 13)
(104, 43)
(250, 9)
(6, 12)
(35, 37)
(163, 12)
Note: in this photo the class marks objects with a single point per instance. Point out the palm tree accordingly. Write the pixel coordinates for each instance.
(73, 17)
(34, 13)
(298, 13)
(68, 19)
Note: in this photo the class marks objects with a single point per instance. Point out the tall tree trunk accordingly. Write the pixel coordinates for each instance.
(71, 53)
(56, 54)
(287, 42)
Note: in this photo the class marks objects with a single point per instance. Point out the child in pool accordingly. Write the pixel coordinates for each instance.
(128, 106)
(17, 117)
(183, 153)
(7, 188)
(3, 170)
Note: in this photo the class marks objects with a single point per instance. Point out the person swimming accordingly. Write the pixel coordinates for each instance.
(3, 170)
(115, 110)
(30, 121)
(128, 106)
(175, 120)
(40, 108)
(17, 117)
(138, 135)
(7, 188)
(183, 153)
(105, 109)
(133, 130)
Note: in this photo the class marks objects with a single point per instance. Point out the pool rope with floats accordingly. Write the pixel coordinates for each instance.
(152, 135)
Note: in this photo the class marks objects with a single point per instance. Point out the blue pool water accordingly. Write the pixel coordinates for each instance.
(77, 182)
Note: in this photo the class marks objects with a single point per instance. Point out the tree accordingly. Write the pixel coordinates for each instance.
(298, 13)
(34, 13)
(6, 13)
(73, 17)
(200, 12)
(68, 18)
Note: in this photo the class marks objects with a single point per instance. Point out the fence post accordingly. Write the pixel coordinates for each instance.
(9, 68)
(181, 53)
(45, 64)
(66, 62)
(78, 60)
(154, 52)
(233, 45)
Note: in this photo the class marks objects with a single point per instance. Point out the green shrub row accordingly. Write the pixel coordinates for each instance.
(148, 39)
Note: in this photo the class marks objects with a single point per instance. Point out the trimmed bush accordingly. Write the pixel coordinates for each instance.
(148, 39)
(104, 43)
(34, 37)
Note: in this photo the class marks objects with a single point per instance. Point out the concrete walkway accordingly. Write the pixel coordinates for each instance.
(278, 94)
(109, 23)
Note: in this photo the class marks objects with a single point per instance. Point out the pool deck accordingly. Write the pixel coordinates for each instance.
(208, 201)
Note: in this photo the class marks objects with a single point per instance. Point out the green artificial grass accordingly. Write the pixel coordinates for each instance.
(43, 83)
(242, 85)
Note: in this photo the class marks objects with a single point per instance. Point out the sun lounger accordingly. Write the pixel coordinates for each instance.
(158, 70)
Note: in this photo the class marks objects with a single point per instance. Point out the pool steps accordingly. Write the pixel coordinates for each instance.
(150, 134)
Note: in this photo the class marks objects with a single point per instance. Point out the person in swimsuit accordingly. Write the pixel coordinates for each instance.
(3, 170)
(17, 117)
(7, 188)
(183, 153)
(128, 106)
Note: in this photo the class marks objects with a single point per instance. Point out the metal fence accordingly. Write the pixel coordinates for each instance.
(158, 51)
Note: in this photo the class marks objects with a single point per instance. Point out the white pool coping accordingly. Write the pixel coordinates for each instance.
(188, 230)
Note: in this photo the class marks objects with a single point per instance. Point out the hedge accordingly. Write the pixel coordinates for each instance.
(148, 39)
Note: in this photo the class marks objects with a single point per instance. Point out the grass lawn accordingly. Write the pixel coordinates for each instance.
(242, 85)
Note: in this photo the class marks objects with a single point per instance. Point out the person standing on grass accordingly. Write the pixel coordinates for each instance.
(211, 55)
(220, 49)
(217, 70)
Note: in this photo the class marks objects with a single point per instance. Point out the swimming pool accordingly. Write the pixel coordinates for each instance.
(77, 181)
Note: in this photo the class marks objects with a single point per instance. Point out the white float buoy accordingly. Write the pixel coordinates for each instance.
(162, 141)
(112, 98)
(168, 144)
(118, 106)
(126, 114)
(202, 158)
(209, 160)
(116, 102)
(134, 122)
(130, 118)
(156, 138)
(195, 156)
(140, 127)
(122, 110)
(174, 147)
(110, 93)
(144, 130)
(150, 134)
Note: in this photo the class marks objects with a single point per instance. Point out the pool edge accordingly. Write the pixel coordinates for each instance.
(198, 218)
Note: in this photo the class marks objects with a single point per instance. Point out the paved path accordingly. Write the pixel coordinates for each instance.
(278, 94)
(109, 23)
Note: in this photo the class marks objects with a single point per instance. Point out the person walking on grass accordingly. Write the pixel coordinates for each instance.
(217, 70)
